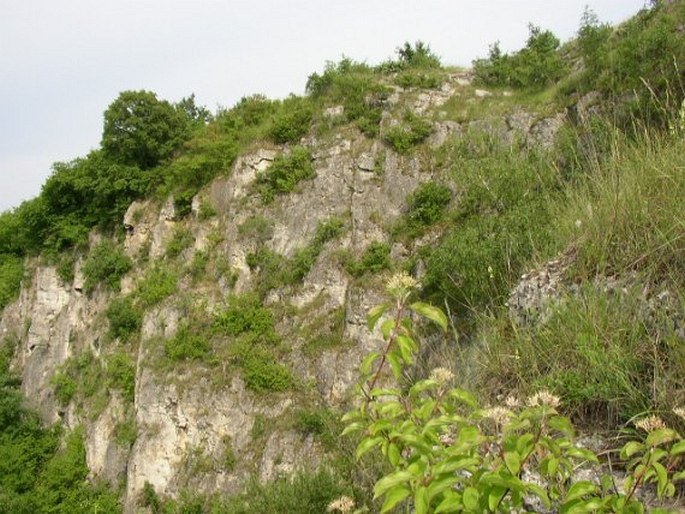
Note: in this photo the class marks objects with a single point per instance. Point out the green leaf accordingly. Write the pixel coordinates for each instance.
(581, 453)
(662, 478)
(513, 462)
(450, 503)
(387, 327)
(464, 396)
(407, 348)
(395, 364)
(580, 489)
(353, 427)
(455, 463)
(471, 498)
(430, 312)
(495, 496)
(375, 314)
(440, 484)
(540, 493)
(421, 500)
(678, 448)
(367, 363)
(561, 424)
(395, 496)
(389, 481)
(680, 475)
(661, 436)
(367, 444)
(394, 454)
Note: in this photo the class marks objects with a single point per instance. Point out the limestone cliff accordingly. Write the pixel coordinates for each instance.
(196, 425)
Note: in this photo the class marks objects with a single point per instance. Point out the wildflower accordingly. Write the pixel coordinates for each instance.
(680, 412)
(342, 504)
(650, 424)
(442, 376)
(543, 399)
(512, 402)
(499, 415)
(401, 284)
(448, 438)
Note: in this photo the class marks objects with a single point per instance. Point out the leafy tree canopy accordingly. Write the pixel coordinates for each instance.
(141, 130)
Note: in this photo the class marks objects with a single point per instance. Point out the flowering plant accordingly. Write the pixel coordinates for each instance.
(448, 454)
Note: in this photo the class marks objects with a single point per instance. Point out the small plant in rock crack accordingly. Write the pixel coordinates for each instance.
(450, 455)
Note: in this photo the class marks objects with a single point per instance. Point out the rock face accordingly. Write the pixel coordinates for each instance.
(199, 427)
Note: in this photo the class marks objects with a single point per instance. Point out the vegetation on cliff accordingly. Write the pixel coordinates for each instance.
(604, 198)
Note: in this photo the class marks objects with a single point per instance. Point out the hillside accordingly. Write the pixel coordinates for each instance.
(185, 309)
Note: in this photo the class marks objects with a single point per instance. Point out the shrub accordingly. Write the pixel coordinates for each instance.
(180, 240)
(157, 284)
(11, 273)
(537, 65)
(285, 173)
(413, 131)
(261, 370)
(187, 344)
(418, 79)
(121, 374)
(354, 86)
(245, 315)
(124, 318)
(292, 120)
(447, 454)
(376, 258)
(427, 204)
(417, 56)
(105, 263)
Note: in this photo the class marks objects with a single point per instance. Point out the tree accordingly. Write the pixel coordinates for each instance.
(141, 130)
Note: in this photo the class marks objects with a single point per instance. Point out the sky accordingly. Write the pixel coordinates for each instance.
(62, 62)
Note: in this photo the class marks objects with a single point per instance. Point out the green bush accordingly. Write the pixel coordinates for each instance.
(157, 284)
(448, 454)
(37, 473)
(79, 377)
(262, 371)
(354, 86)
(285, 173)
(537, 65)
(376, 258)
(187, 344)
(181, 239)
(65, 387)
(245, 316)
(124, 318)
(105, 263)
(412, 131)
(11, 273)
(427, 204)
(418, 79)
(121, 373)
(292, 120)
(502, 219)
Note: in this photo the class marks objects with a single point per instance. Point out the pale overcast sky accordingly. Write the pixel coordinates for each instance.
(63, 61)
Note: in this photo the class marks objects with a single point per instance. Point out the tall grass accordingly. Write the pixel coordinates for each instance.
(607, 349)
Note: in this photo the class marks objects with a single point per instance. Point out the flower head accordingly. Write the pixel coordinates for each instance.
(343, 504)
(650, 424)
(512, 402)
(442, 376)
(401, 284)
(499, 415)
(680, 412)
(544, 399)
